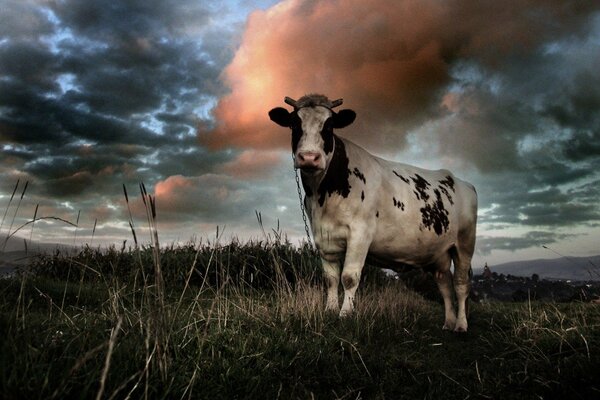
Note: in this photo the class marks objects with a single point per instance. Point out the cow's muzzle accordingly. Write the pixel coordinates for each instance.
(309, 161)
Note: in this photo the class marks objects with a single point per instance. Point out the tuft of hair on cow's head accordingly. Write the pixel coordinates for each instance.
(312, 122)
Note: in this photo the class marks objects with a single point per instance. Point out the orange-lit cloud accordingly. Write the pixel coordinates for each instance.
(253, 163)
(390, 60)
(207, 195)
(164, 189)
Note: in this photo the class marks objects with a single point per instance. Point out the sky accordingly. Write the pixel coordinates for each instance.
(99, 94)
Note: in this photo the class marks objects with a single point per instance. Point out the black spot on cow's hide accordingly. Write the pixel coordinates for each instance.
(421, 186)
(307, 189)
(446, 184)
(435, 216)
(359, 175)
(362, 195)
(398, 203)
(327, 135)
(449, 182)
(445, 191)
(336, 179)
(405, 180)
(377, 214)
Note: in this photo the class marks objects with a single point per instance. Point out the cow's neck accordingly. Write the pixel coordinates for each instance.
(335, 179)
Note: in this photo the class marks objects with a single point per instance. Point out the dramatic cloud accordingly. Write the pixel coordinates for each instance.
(392, 61)
(106, 78)
(505, 94)
(252, 164)
(94, 95)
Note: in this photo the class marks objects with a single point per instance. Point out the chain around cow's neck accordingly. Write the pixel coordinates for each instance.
(302, 203)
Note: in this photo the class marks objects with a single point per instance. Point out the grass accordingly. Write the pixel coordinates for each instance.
(226, 337)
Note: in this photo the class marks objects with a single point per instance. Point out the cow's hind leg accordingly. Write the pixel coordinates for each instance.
(462, 280)
(443, 278)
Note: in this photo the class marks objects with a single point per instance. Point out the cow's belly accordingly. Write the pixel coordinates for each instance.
(397, 242)
(400, 242)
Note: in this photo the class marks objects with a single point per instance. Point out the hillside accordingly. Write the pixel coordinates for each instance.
(573, 268)
(15, 255)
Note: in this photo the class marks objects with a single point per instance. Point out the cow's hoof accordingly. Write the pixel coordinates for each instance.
(345, 313)
(332, 310)
(460, 329)
(448, 326)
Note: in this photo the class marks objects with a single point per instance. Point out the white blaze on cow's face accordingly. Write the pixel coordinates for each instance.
(314, 147)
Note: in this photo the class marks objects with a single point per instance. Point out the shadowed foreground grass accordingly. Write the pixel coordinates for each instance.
(111, 338)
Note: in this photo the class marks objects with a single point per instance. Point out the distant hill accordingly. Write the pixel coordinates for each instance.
(14, 254)
(573, 268)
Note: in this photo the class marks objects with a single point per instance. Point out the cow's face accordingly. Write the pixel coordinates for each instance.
(312, 134)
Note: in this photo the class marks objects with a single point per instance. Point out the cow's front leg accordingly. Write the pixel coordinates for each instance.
(356, 253)
(331, 273)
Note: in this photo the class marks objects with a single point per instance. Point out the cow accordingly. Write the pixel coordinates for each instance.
(361, 205)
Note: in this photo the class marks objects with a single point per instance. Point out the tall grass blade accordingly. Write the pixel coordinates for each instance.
(62, 304)
(15, 214)
(8, 205)
(93, 231)
(111, 345)
(37, 206)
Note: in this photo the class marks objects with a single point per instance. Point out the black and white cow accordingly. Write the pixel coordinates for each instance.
(359, 205)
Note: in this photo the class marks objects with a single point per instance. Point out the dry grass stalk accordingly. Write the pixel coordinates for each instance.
(8, 235)
(62, 304)
(8, 205)
(158, 315)
(111, 345)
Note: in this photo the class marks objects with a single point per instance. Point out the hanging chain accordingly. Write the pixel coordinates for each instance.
(302, 205)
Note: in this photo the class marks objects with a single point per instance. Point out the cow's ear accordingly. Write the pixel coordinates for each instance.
(280, 116)
(343, 118)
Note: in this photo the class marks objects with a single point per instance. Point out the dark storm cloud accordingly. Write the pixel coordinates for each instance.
(530, 126)
(514, 199)
(94, 92)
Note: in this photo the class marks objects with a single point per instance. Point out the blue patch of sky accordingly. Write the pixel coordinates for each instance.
(67, 82)
(238, 10)
(466, 74)
(204, 110)
(150, 159)
(153, 125)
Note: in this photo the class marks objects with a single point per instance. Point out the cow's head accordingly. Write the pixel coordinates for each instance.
(312, 123)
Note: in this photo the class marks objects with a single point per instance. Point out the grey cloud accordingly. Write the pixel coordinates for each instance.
(514, 203)
(123, 77)
(486, 244)
(14, 12)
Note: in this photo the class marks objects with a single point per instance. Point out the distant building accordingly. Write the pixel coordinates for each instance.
(487, 272)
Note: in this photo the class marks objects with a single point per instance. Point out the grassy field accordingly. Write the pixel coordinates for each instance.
(248, 321)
